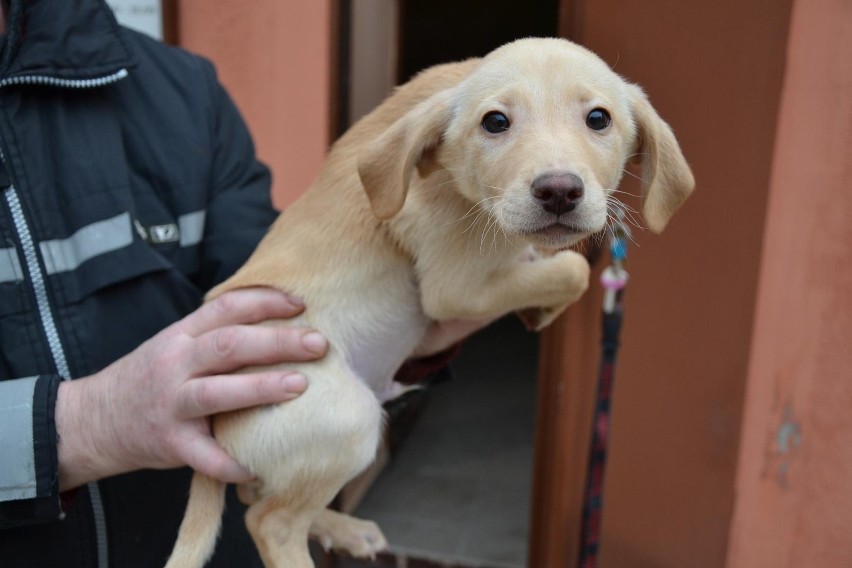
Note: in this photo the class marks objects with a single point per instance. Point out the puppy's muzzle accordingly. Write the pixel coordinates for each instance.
(558, 192)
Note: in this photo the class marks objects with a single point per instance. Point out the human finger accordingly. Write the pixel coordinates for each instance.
(212, 395)
(204, 455)
(243, 306)
(230, 348)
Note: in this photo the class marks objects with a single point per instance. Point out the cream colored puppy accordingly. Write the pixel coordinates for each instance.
(456, 199)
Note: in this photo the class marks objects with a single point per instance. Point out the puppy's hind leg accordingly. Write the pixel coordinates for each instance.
(360, 538)
(303, 453)
(280, 534)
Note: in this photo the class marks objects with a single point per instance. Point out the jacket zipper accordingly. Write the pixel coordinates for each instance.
(65, 83)
(37, 280)
(48, 323)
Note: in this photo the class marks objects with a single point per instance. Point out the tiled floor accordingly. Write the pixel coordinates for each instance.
(458, 490)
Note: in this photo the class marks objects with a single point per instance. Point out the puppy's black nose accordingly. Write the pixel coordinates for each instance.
(558, 192)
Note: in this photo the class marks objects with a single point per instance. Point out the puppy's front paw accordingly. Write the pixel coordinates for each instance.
(577, 272)
(567, 284)
(359, 538)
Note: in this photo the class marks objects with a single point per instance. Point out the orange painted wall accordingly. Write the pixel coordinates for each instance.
(794, 484)
(274, 58)
(714, 72)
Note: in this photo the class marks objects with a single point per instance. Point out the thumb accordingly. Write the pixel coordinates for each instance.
(206, 456)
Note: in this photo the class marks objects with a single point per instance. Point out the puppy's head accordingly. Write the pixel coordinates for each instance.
(538, 134)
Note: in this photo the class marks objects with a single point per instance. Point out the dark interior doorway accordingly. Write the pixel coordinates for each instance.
(438, 31)
(457, 483)
(456, 489)
(418, 34)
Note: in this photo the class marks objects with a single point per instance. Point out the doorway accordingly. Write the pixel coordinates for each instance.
(455, 489)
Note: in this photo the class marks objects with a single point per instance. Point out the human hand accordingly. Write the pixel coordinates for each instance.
(151, 408)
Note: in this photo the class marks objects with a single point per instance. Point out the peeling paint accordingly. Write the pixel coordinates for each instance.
(789, 434)
(782, 448)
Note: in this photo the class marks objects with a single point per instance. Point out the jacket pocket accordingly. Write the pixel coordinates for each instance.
(96, 255)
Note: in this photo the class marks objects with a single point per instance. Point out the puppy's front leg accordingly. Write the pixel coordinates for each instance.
(471, 290)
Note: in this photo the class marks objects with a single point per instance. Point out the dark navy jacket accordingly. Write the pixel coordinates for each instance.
(129, 187)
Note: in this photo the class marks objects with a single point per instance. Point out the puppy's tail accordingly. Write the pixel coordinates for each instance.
(201, 522)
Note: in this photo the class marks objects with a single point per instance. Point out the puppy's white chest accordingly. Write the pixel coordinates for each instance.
(378, 350)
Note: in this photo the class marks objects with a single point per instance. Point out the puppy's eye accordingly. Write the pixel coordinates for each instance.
(598, 119)
(495, 122)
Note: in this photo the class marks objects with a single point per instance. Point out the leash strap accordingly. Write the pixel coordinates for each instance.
(614, 279)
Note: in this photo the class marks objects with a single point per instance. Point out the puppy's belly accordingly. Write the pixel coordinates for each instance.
(375, 357)
(318, 440)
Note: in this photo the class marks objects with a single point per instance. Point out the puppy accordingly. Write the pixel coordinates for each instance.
(456, 199)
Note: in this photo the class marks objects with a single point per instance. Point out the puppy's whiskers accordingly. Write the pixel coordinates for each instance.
(615, 203)
(622, 192)
(502, 217)
(494, 187)
(491, 224)
(616, 211)
(491, 227)
(499, 228)
(475, 208)
(495, 221)
(477, 219)
(631, 174)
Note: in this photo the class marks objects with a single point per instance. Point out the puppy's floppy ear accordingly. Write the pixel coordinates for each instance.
(387, 163)
(666, 178)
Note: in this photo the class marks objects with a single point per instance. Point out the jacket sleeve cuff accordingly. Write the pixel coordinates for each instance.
(29, 479)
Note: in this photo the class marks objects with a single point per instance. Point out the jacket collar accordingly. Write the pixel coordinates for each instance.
(68, 40)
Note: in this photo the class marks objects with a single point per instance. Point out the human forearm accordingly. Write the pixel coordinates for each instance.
(86, 449)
